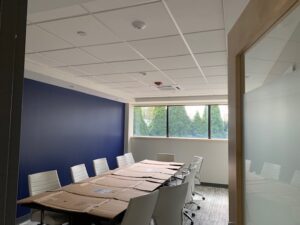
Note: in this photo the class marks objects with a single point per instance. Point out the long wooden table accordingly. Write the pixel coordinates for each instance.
(105, 197)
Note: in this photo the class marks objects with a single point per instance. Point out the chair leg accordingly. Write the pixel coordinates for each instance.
(42, 217)
(189, 217)
(198, 206)
(197, 193)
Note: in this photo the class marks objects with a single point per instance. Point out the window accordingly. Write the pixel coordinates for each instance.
(219, 121)
(150, 121)
(202, 121)
(188, 121)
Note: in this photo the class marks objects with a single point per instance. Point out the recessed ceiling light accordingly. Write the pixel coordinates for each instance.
(139, 25)
(81, 33)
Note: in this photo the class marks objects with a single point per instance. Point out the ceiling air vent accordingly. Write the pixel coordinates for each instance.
(168, 87)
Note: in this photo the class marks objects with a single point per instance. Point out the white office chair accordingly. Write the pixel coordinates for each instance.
(129, 158)
(79, 173)
(165, 157)
(198, 161)
(296, 178)
(189, 178)
(170, 204)
(270, 171)
(140, 210)
(247, 165)
(39, 183)
(100, 166)
(121, 160)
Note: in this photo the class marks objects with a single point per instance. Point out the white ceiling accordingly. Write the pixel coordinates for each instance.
(181, 39)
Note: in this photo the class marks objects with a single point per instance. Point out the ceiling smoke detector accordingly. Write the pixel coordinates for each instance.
(139, 25)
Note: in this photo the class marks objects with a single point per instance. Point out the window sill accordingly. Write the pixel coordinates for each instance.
(180, 138)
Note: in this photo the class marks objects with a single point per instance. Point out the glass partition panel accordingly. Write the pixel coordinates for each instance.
(272, 126)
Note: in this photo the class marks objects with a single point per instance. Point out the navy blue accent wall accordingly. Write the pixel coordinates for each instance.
(62, 128)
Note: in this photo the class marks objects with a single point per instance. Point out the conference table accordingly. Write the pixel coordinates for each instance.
(105, 198)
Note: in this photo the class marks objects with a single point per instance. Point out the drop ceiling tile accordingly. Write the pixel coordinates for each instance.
(113, 52)
(212, 59)
(117, 67)
(39, 40)
(63, 12)
(215, 70)
(182, 73)
(114, 78)
(194, 86)
(189, 80)
(217, 79)
(216, 85)
(74, 71)
(40, 58)
(67, 29)
(197, 15)
(220, 91)
(132, 66)
(69, 57)
(156, 18)
(96, 69)
(175, 62)
(132, 84)
(209, 41)
(161, 47)
(104, 5)
(152, 77)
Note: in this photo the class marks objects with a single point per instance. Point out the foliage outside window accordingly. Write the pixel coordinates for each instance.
(150, 121)
(219, 121)
(188, 121)
(206, 121)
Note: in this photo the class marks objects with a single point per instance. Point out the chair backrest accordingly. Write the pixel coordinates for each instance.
(165, 157)
(129, 158)
(198, 161)
(170, 202)
(296, 178)
(189, 178)
(79, 173)
(121, 160)
(100, 166)
(247, 165)
(140, 210)
(270, 171)
(44, 181)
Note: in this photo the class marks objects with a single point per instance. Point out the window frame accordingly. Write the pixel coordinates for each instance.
(209, 130)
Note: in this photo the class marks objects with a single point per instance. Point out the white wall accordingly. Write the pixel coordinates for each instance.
(215, 153)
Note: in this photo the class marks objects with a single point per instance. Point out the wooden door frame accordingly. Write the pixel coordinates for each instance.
(258, 17)
(12, 52)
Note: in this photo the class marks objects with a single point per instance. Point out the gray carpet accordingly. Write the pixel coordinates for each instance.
(214, 209)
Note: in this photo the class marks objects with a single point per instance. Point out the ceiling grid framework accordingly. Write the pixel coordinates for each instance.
(183, 43)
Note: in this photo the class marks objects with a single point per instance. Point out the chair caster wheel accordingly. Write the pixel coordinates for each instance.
(192, 223)
(203, 198)
(193, 214)
(198, 207)
(193, 194)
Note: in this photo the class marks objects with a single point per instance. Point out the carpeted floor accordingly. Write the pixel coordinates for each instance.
(214, 209)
